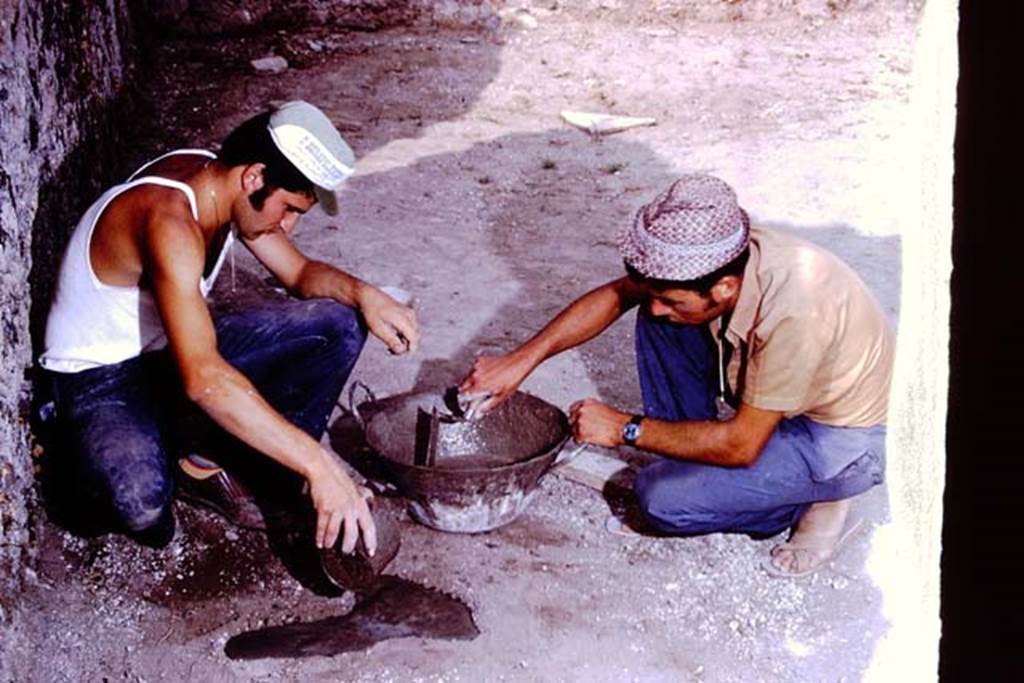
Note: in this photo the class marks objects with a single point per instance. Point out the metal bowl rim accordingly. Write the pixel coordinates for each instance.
(553, 448)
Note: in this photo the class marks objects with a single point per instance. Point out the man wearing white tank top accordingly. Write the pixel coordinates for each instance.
(132, 349)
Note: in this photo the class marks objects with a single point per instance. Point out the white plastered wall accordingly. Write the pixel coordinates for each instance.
(904, 559)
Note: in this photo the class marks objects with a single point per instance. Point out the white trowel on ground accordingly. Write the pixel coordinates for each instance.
(604, 124)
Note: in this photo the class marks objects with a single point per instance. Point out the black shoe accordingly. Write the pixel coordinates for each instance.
(224, 495)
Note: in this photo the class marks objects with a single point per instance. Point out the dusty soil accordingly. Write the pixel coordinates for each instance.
(475, 197)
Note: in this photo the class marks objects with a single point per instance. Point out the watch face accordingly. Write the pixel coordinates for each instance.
(631, 432)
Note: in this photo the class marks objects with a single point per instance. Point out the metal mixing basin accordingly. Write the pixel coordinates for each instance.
(484, 471)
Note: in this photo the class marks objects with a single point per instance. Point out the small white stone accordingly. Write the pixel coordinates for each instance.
(527, 21)
(272, 64)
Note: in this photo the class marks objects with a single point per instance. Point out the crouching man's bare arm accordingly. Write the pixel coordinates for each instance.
(390, 321)
(174, 254)
(731, 443)
(580, 321)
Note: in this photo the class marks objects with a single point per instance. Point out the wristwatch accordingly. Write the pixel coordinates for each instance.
(631, 430)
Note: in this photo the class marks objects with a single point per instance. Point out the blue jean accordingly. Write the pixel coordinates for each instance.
(803, 462)
(128, 421)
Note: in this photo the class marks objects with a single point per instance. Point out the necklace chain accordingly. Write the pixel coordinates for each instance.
(213, 195)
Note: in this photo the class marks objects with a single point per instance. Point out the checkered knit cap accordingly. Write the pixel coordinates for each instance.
(691, 229)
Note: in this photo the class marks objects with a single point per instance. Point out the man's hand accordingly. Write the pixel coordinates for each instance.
(498, 376)
(597, 423)
(582, 320)
(391, 322)
(340, 505)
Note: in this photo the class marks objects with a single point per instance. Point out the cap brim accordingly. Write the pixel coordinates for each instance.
(327, 199)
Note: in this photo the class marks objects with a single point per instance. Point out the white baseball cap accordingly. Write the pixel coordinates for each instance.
(308, 139)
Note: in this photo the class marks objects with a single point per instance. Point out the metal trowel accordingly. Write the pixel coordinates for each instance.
(464, 406)
(427, 428)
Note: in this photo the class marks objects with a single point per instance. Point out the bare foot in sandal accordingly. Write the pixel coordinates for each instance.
(817, 538)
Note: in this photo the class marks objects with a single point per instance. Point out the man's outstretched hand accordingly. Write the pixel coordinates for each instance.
(493, 379)
(390, 321)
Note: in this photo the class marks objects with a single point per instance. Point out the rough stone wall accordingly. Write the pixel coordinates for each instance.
(63, 68)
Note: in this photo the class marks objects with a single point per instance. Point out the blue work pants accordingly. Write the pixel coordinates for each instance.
(127, 422)
(802, 463)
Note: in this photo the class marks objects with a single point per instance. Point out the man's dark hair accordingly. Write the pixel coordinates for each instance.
(251, 143)
(702, 285)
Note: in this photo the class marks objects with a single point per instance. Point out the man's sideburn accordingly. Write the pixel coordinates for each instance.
(708, 301)
(259, 197)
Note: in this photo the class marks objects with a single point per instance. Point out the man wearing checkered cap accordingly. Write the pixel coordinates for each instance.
(764, 367)
(131, 347)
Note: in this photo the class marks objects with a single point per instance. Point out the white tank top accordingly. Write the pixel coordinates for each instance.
(92, 323)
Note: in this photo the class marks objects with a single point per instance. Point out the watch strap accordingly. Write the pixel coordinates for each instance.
(631, 430)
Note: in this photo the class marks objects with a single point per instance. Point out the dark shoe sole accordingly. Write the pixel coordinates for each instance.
(198, 501)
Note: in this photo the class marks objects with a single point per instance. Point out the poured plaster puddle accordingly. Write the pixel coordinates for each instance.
(396, 609)
(386, 606)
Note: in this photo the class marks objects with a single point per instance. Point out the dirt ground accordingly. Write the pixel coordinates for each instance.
(475, 197)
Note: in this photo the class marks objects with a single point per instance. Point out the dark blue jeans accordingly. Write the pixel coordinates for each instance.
(803, 462)
(127, 422)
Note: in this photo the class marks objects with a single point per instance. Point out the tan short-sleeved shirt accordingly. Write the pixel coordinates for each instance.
(810, 338)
